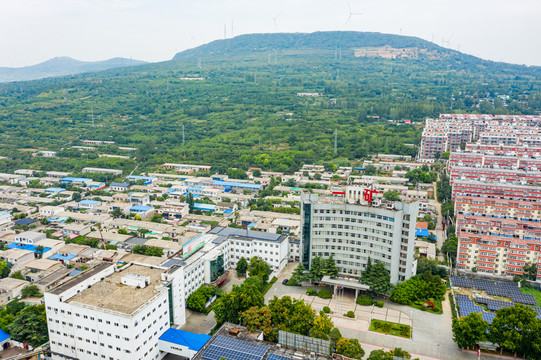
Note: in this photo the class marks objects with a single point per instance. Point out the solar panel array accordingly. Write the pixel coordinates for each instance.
(467, 306)
(277, 357)
(523, 299)
(494, 288)
(233, 349)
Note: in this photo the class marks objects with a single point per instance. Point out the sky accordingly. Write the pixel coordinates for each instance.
(154, 30)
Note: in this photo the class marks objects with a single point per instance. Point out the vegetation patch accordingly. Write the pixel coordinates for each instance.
(390, 328)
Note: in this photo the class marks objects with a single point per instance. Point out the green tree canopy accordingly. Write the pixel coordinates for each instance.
(469, 330)
(258, 267)
(242, 266)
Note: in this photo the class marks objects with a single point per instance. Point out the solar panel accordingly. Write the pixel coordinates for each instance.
(233, 349)
(277, 357)
(523, 299)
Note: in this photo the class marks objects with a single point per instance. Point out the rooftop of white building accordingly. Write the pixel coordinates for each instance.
(112, 295)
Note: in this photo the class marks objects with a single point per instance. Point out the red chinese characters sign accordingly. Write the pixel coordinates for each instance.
(368, 194)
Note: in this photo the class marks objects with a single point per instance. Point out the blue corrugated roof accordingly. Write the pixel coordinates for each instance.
(140, 177)
(26, 247)
(141, 208)
(421, 232)
(62, 257)
(4, 335)
(88, 202)
(25, 221)
(204, 207)
(237, 184)
(76, 179)
(184, 338)
(75, 272)
(55, 190)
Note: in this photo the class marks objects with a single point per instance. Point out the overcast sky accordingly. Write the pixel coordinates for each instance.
(154, 30)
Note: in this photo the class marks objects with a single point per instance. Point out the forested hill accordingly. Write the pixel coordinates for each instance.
(321, 40)
(244, 104)
(346, 44)
(62, 66)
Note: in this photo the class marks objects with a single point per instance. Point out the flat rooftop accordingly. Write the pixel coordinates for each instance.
(111, 294)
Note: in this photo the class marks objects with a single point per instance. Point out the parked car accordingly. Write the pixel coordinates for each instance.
(285, 281)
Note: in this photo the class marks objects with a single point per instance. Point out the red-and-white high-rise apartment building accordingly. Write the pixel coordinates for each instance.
(496, 189)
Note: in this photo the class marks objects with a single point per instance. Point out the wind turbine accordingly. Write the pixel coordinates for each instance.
(449, 40)
(274, 18)
(351, 13)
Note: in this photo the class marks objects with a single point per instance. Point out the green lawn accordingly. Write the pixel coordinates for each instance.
(536, 294)
(387, 327)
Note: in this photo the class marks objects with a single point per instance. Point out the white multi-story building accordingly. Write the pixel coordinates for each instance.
(109, 313)
(352, 230)
(273, 248)
(208, 257)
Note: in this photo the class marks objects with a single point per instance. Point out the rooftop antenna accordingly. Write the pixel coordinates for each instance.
(274, 18)
(183, 138)
(351, 14)
(335, 140)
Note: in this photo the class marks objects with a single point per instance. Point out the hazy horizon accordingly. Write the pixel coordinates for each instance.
(155, 30)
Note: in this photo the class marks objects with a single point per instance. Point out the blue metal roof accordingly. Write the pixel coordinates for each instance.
(421, 232)
(62, 257)
(88, 202)
(55, 190)
(184, 338)
(75, 272)
(141, 208)
(4, 335)
(70, 179)
(237, 184)
(26, 247)
(204, 207)
(25, 221)
(140, 177)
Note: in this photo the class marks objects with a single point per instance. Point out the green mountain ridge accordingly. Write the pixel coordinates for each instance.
(61, 66)
(238, 109)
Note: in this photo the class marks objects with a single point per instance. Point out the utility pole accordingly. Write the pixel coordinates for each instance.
(183, 138)
(335, 140)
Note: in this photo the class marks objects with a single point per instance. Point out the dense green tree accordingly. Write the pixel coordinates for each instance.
(377, 277)
(299, 273)
(391, 195)
(469, 330)
(350, 348)
(199, 298)
(30, 326)
(329, 267)
(147, 250)
(516, 329)
(258, 267)
(389, 355)
(316, 268)
(259, 318)
(30, 291)
(530, 271)
(230, 305)
(242, 266)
